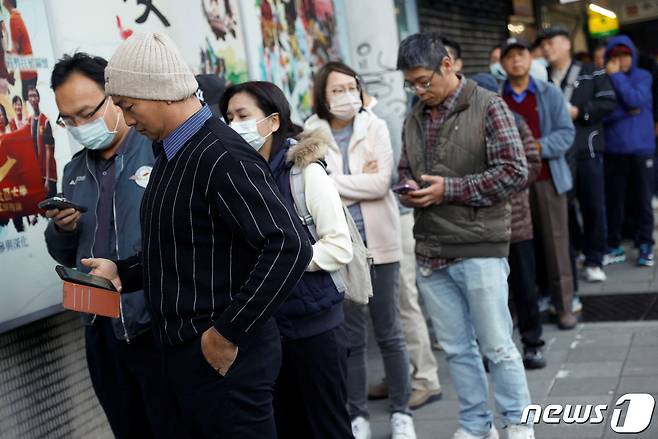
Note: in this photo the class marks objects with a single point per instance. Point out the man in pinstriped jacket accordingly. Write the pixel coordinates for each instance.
(220, 250)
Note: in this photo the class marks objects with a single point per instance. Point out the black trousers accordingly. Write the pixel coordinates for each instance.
(624, 174)
(310, 396)
(590, 237)
(238, 405)
(523, 290)
(128, 382)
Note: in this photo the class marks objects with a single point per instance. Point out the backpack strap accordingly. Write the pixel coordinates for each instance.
(297, 189)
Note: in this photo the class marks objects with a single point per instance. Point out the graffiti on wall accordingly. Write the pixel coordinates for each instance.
(299, 36)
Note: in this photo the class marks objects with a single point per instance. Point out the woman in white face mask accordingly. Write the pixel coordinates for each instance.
(360, 162)
(310, 397)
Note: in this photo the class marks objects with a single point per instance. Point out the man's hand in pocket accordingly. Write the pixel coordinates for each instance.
(218, 351)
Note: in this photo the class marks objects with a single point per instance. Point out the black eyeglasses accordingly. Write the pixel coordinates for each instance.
(63, 121)
(415, 88)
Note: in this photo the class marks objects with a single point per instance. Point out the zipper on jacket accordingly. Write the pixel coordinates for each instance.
(98, 190)
(590, 143)
(116, 244)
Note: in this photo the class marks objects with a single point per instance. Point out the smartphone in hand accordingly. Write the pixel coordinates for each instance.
(402, 188)
(61, 203)
(86, 279)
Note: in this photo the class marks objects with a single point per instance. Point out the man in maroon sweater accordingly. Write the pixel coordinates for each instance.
(544, 109)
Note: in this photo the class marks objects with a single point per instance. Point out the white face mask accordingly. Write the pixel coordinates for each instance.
(95, 135)
(345, 106)
(497, 70)
(248, 130)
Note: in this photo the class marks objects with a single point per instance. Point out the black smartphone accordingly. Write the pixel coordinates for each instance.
(80, 278)
(402, 188)
(61, 203)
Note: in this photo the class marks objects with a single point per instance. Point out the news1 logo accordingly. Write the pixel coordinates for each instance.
(638, 413)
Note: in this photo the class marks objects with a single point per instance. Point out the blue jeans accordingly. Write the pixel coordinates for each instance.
(467, 303)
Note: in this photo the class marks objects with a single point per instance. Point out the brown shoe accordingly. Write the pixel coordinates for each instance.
(378, 391)
(567, 320)
(420, 398)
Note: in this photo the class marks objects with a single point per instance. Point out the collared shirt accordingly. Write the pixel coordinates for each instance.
(519, 97)
(179, 137)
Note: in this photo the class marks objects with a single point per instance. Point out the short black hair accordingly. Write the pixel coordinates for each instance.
(93, 67)
(453, 46)
(424, 50)
(270, 99)
(16, 98)
(320, 102)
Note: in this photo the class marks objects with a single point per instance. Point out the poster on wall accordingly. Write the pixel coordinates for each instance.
(298, 36)
(34, 149)
(224, 50)
(31, 162)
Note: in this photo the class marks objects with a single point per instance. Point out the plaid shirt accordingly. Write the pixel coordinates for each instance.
(507, 166)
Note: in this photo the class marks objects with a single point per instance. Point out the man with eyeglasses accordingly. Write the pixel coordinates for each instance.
(109, 177)
(462, 159)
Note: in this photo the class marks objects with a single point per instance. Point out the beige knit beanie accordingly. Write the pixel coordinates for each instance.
(149, 66)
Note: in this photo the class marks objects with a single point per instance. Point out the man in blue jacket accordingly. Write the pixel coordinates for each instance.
(109, 177)
(629, 132)
(544, 109)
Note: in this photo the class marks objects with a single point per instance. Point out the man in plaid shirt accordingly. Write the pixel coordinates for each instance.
(461, 161)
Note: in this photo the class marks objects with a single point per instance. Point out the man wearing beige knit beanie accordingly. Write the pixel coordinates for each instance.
(220, 251)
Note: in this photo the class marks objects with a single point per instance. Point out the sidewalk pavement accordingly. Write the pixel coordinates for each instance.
(594, 364)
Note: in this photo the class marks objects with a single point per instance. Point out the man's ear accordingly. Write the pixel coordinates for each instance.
(446, 66)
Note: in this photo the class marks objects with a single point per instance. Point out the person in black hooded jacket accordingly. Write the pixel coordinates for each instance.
(590, 97)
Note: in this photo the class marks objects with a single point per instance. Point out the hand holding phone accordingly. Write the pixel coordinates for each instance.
(80, 278)
(64, 213)
(60, 203)
(403, 188)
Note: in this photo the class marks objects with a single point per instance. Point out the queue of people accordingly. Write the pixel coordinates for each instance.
(231, 239)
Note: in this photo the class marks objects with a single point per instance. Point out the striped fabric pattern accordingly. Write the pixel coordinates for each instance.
(219, 245)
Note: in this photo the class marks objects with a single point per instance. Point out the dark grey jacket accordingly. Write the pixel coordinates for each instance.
(79, 184)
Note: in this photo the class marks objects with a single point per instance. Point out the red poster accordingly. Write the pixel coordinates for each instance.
(21, 184)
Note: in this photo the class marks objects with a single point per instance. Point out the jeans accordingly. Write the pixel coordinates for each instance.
(384, 310)
(467, 302)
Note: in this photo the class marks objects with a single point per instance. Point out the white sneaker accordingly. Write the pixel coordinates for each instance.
(361, 428)
(402, 426)
(463, 434)
(520, 432)
(595, 274)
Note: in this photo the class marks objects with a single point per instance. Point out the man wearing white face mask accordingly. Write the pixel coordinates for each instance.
(109, 177)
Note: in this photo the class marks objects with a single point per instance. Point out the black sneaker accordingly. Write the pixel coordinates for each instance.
(533, 358)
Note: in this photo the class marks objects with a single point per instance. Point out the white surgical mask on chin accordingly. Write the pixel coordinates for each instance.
(248, 130)
(497, 70)
(94, 135)
(345, 106)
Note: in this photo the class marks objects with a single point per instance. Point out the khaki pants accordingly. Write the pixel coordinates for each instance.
(551, 227)
(424, 369)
